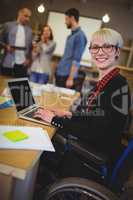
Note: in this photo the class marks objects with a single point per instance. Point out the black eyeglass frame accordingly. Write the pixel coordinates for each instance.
(97, 48)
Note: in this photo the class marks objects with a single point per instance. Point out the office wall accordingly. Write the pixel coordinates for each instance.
(121, 15)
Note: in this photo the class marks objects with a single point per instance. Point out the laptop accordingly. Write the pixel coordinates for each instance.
(24, 101)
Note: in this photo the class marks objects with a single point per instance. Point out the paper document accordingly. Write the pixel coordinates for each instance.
(5, 102)
(23, 137)
(6, 92)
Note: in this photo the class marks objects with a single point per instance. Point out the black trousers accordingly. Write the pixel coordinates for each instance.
(17, 71)
(7, 71)
(78, 82)
(20, 71)
(61, 80)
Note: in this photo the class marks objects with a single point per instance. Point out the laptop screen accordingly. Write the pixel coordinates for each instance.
(21, 93)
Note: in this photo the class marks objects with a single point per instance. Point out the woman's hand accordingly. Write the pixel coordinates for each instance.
(61, 113)
(26, 62)
(36, 48)
(45, 115)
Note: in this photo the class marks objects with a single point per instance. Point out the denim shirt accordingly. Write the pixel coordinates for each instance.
(74, 48)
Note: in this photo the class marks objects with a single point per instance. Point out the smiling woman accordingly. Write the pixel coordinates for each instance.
(100, 118)
(105, 49)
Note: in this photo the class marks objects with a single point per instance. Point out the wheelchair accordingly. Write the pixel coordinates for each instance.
(101, 183)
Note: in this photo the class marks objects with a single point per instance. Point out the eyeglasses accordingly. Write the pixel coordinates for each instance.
(107, 48)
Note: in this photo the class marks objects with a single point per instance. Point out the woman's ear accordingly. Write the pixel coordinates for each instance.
(117, 54)
(116, 57)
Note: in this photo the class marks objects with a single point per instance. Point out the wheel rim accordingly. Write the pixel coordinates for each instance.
(75, 193)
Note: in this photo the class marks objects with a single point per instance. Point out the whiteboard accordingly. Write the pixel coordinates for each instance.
(57, 22)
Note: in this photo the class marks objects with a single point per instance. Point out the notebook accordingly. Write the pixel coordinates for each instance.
(23, 99)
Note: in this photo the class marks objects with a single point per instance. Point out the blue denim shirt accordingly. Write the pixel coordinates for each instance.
(74, 48)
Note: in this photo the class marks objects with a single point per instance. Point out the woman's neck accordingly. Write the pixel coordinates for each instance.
(104, 72)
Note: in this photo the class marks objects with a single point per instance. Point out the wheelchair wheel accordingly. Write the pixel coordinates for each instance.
(78, 189)
(128, 188)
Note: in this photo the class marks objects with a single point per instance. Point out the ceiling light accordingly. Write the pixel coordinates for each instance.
(106, 18)
(41, 8)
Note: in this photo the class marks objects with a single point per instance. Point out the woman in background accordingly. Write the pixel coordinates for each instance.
(42, 53)
(100, 118)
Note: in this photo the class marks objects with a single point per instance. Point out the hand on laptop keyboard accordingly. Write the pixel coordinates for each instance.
(44, 114)
(61, 113)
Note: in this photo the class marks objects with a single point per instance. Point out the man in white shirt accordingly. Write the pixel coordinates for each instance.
(17, 37)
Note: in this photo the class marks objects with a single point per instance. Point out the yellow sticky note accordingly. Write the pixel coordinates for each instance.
(2, 100)
(15, 135)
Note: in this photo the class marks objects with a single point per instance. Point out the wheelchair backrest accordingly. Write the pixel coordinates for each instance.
(123, 167)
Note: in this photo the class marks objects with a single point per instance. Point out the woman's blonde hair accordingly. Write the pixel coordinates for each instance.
(109, 35)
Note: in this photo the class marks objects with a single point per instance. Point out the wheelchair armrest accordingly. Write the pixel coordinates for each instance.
(87, 152)
(60, 139)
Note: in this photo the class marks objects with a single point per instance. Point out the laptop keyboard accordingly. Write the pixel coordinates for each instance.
(31, 113)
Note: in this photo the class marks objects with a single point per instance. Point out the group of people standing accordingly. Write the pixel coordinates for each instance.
(23, 55)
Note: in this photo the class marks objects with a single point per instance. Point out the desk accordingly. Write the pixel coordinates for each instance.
(18, 168)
